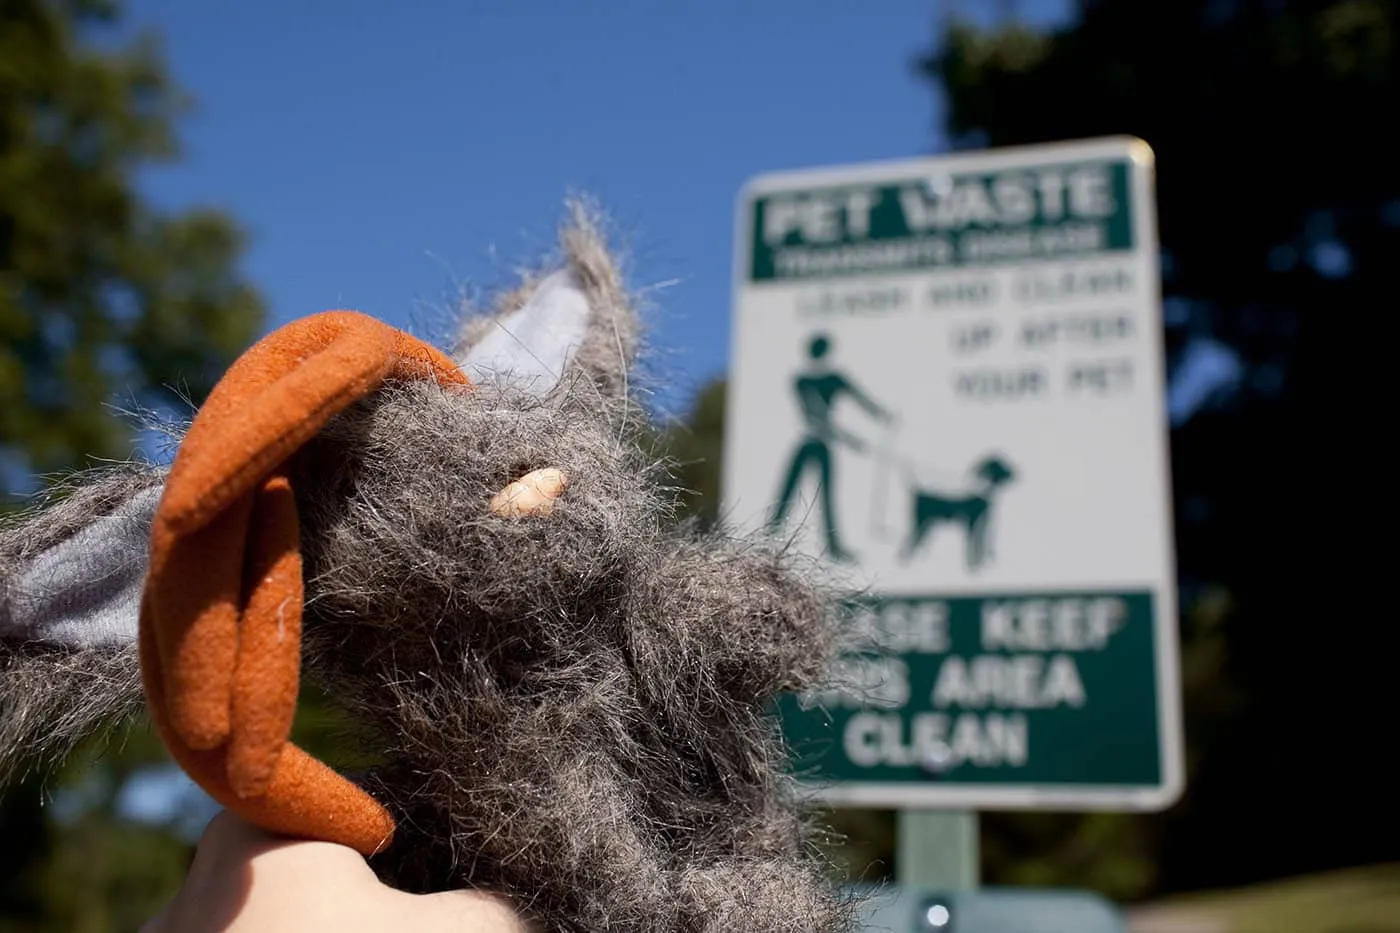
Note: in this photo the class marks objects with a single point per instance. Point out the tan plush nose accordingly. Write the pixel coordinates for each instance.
(532, 494)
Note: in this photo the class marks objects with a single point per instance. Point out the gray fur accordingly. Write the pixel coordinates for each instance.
(51, 699)
(573, 708)
(85, 590)
(59, 682)
(599, 367)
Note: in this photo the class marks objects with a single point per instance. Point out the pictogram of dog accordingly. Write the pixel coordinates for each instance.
(971, 510)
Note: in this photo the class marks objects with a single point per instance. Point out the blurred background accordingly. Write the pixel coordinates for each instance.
(177, 179)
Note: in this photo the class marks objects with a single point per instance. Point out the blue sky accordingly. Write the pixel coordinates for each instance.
(384, 157)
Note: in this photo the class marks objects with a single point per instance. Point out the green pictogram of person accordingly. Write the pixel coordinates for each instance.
(817, 388)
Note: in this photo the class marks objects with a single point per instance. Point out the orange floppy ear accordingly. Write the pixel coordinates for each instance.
(220, 623)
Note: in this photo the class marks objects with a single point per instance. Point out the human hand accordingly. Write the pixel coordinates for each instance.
(244, 879)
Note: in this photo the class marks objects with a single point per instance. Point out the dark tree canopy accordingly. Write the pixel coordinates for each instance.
(1280, 224)
(103, 300)
(695, 446)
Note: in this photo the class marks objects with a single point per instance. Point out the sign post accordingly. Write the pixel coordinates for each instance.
(938, 849)
(947, 381)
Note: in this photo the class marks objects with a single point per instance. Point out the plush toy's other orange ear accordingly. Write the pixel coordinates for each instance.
(221, 609)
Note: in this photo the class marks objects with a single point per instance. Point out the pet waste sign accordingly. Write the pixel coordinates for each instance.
(948, 383)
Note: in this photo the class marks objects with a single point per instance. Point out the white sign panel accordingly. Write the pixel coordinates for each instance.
(947, 380)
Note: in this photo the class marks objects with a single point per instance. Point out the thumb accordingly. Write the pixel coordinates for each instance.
(243, 878)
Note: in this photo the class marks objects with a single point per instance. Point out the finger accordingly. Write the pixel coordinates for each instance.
(243, 878)
(267, 677)
(461, 910)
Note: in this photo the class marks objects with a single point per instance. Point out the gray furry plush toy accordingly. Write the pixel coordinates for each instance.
(572, 706)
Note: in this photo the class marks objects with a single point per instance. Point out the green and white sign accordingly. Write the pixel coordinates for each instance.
(947, 382)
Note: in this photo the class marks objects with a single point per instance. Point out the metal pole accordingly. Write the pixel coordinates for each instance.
(938, 849)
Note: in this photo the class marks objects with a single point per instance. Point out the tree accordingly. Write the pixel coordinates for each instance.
(695, 448)
(101, 297)
(1279, 216)
(104, 302)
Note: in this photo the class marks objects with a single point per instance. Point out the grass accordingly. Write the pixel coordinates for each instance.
(1359, 900)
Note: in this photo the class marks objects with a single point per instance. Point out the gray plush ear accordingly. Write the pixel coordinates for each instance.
(71, 574)
(532, 348)
(84, 590)
(575, 322)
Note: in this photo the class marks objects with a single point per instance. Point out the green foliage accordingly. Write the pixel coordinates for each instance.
(1358, 900)
(102, 872)
(102, 298)
(104, 301)
(695, 446)
(73, 862)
